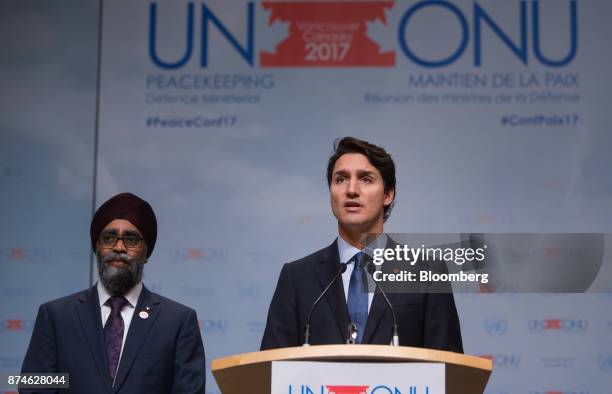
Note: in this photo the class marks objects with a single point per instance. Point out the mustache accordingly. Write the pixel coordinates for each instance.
(118, 256)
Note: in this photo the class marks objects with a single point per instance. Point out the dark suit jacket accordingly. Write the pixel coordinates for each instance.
(162, 354)
(425, 319)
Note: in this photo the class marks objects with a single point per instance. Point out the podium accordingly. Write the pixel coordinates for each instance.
(252, 372)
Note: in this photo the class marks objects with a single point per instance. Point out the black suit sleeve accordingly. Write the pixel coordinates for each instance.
(41, 356)
(189, 362)
(282, 326)
(442, 330)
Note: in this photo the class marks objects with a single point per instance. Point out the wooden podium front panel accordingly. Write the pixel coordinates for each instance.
(251, 372)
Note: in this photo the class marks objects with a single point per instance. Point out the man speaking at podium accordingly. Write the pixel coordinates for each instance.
(361, 180)
(117, 336)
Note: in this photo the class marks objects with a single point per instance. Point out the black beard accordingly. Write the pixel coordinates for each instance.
(119, 280)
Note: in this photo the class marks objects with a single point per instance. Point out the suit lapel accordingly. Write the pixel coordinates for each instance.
(325, 271)
(88, 310)
(137, 333)
(377, 311)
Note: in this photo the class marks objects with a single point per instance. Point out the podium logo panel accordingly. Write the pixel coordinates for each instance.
(310, 377)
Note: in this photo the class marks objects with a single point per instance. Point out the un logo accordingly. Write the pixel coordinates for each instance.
(496, 327)
(605, 362)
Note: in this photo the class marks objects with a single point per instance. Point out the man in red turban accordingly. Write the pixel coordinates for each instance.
(118, 336)
(120, 264)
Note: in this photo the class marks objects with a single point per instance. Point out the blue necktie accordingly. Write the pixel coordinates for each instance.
(358, 297)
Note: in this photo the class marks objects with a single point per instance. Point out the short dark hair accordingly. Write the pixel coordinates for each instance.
(377, 156)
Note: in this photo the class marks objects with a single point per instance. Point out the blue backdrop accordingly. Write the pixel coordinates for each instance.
(223, 115)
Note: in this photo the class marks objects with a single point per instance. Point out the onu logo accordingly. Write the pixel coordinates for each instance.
(506, 361)
(210, 326)
(475, 23)
(17, 325)
(560, 325)
(200, 254)
(337, 389)
(25, 254)
(249, 291)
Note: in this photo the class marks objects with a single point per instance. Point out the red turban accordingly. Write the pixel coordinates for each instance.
(131, 208)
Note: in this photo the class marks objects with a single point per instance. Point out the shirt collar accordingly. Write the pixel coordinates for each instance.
(346, 251)
(132, 295)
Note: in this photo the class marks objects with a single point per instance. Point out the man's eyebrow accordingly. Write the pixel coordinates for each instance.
(366, 172)
(132, 233)
(341, 171)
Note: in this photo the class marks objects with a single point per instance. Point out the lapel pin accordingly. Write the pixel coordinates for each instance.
(143, 314)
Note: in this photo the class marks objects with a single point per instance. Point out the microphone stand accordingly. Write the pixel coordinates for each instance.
(395, 330)
(341, 270)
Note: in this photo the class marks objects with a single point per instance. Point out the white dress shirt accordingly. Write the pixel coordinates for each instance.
(346, 252)
(126, 313)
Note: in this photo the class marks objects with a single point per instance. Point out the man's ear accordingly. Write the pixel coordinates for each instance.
(388, 197)
(145, 251)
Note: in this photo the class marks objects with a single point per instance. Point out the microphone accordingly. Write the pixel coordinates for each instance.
(314, 305)
(351, 337)
(395, 333)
